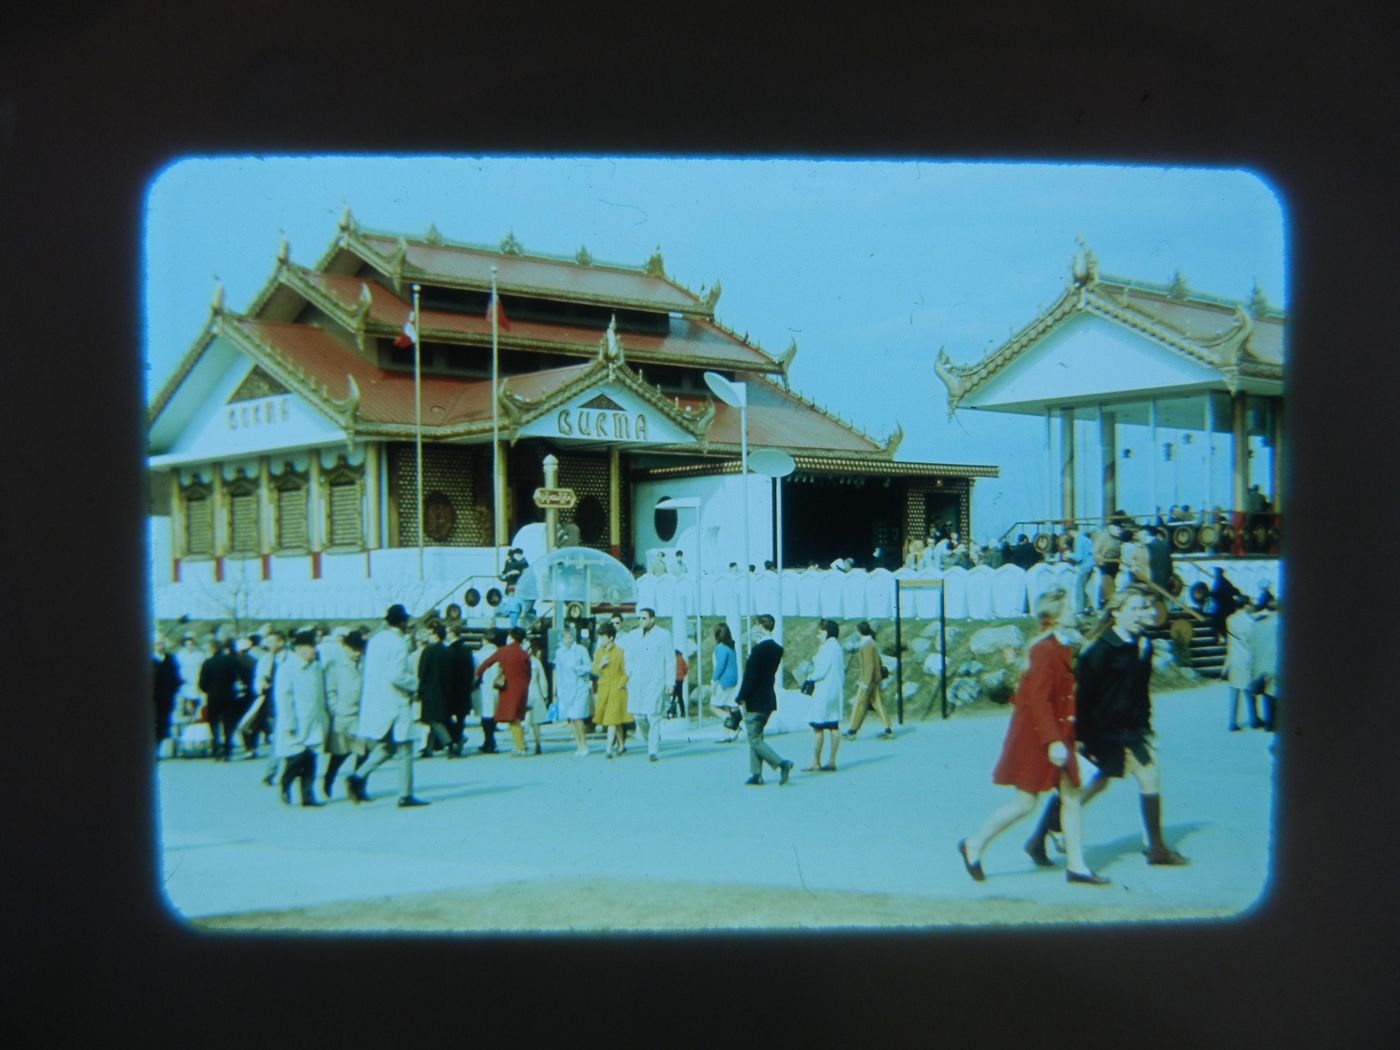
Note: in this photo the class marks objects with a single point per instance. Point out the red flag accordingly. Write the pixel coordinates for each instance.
(409, 334)
(500, 313)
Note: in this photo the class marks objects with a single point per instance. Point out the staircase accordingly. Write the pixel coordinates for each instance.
(1206, 650)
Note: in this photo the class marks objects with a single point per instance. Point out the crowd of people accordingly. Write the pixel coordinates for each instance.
(317, 697)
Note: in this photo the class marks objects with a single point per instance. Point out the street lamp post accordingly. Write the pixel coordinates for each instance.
(693, 503)
(736, 395)
(776, 464)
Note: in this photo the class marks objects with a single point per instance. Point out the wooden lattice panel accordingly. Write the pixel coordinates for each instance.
(243, 522)
(199, 524)
(453, 471)
(346, 526)
(587, 475)
(291, 518)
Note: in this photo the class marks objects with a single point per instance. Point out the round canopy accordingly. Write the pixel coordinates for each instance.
(578, 574)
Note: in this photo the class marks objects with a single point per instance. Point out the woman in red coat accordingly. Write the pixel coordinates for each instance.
(514, 664)
(1038, 754)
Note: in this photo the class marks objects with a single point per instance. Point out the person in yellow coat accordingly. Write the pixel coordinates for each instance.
(610, 671)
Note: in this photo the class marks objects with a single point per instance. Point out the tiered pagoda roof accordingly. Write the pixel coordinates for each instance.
(324, 332)
(1240, 340)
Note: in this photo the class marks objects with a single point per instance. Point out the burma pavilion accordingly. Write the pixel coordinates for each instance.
(283, 448)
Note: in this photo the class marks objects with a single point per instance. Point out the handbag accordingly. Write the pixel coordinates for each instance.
(499, 683)
(809, 687)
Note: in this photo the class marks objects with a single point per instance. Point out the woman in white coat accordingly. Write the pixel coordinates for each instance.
(300, 718)
(827, 689)
(572, 679)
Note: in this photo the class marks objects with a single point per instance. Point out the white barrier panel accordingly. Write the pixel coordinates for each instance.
(955, 593)
(1009, 590)
(927, 599)
(879, 595)
(344, 594)
(765, 592)
(646, 591)
(791, 580)
(809, 587)
(1039, 579)
(853, 587)
(830, 593)
(664, 596)
(979, 593)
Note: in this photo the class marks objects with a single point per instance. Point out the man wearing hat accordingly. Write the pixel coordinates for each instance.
(300, 718)
(386, 711)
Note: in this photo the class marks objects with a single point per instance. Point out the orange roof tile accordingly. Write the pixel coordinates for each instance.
(782, 420)
(689, 339)
(532, 275)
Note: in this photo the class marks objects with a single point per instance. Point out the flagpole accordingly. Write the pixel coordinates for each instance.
(495, 309)
(418, 419)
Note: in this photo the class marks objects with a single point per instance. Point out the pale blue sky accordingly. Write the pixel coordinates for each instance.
(871, 266)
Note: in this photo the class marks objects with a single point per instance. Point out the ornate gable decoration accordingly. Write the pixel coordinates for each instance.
(1109, 297)
(256, 384)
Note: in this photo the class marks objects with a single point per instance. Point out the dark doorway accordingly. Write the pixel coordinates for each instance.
(941, 511)
(828, 517)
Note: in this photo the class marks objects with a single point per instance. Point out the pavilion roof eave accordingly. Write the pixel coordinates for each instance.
(1251, 385)
(813, 462)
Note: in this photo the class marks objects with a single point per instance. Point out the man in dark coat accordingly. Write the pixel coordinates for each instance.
(1024, 553)
(1222, 597)
(165, 683)
(1159, 557)
(758, 699)
(461, 673)
(221, 679)
(1113, 719)
(434, 691)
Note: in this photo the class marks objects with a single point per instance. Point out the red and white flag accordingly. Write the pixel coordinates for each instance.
(500, 312)
(409, 335)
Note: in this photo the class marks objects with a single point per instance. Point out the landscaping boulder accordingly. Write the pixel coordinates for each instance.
(990, 639)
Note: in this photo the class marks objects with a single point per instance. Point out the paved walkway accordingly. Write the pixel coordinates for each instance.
(593, 840)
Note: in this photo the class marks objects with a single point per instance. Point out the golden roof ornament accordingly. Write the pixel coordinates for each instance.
(893, 442)
(786, 357)
(510, 246)
(284, 249)
(712, 296)
(952, 378)
(1178, 288)
(1084, 267)
(347, 221)
(433, 236)
(583, 257)
(216, 304)
(655, 266)
(1258, 305)
(610, 348)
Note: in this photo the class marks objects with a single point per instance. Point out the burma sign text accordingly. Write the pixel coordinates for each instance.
(586, 422)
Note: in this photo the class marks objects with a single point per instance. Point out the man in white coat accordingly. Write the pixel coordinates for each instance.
(386, 707)
(650, 660)
(300, 717)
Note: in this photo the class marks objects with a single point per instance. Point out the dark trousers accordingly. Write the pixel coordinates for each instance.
(759, 751)
(302, 768)
(677, 700)
(488, 734)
